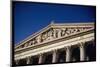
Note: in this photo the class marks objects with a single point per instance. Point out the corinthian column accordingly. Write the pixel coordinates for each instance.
(40, 59)
(28, 60)
(82, 52)
(54, 56)
(68, 54)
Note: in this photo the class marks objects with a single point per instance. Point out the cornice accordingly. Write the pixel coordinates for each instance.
(52, 25)
(61, 38)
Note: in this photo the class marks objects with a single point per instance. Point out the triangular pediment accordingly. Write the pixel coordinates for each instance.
(56, 30)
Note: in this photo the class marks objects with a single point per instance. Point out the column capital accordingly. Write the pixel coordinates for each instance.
(81, 44)
(40, 54)
(68, 47)
(55, 50)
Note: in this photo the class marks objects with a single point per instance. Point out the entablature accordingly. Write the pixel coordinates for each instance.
(54, 31)
(32, 47)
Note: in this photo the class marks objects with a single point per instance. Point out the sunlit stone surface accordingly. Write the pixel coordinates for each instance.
(57, 43)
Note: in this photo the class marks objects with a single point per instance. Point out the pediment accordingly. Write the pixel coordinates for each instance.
(56, 30)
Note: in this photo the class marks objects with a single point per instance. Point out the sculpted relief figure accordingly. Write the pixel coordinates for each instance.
(26, 44)
(54, 33)
(30, 42)
(38, 38)
(71, 30)
(50, 34)
(63, 32)
(35, 41)
(67, 31)
(58, 33)
(46, 36)
(43, 36)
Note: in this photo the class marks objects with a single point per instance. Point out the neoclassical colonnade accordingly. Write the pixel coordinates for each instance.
(82, 51)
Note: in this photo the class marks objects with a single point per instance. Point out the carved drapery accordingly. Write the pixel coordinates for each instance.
(30, 43)
(38, 38)
(63, 32)
(50, 34)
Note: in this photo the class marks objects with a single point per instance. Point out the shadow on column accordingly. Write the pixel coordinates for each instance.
(48, 58)
(22, 62)
(91, 51)
(75, 56)
(62, 56)
(35, 60)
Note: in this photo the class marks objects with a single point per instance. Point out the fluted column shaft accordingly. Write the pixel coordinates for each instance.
(54, 56)
(82, 52)
(28, 60)
(40, 58)
(68, 54)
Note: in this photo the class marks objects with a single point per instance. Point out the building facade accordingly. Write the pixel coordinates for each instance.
(58, 43)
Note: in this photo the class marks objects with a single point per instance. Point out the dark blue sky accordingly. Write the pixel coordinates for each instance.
(31, 17)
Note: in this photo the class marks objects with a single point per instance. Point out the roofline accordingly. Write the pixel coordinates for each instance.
(55, 39)
(34, 34)
(45, 28)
